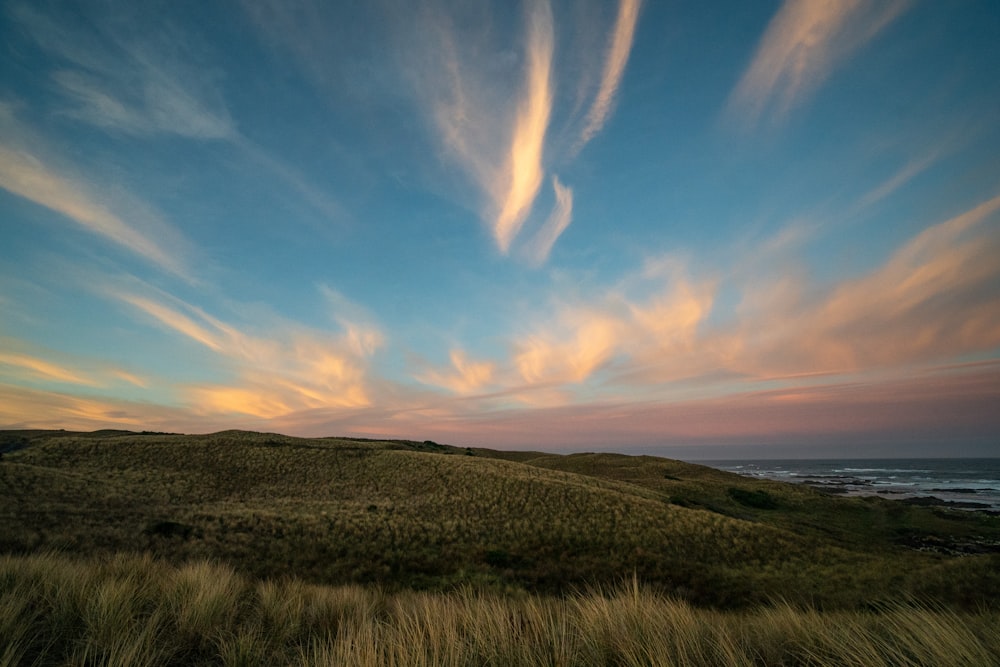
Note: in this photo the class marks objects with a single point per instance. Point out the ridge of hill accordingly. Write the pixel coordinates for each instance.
(426, 515)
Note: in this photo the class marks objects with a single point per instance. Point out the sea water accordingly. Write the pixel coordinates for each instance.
(963, 483)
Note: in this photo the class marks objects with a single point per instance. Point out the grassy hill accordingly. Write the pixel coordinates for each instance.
(427, 516)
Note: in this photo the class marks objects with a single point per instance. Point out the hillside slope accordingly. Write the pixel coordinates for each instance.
(425, 515)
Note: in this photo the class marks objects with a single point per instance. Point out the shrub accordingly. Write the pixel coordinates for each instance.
(761, 500)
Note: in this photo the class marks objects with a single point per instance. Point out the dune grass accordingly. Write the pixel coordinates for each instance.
(424, 516)
(134, 610)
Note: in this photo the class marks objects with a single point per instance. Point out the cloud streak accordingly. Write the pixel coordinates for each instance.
(25, 175)
(934, 298)
(522, 173)
(490, 96)
(45, 370)
(545, 238)
(290, 368)
(124, 75)
(935, 404)
(105, 64)
(803, 44)
(614, 68)
(642, 361)
(25, 362)
(464, 377)
(653, 336)
(494, 116)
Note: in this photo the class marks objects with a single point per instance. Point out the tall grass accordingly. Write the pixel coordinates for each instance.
(408, 516)
(133, 610)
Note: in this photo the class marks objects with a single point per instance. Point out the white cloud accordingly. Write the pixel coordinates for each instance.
(614, 68)
(119, 218)
(804, 43)
(125, 76)
(540, 246)
(493, 108)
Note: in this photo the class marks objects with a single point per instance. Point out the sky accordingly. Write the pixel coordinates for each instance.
(707, 230)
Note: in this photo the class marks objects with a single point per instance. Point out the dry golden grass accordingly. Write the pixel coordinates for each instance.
(128, 611)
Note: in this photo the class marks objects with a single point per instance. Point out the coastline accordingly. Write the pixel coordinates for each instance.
(962, 484)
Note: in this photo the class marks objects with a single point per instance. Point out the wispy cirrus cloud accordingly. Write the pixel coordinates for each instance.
(116, 216)
(22, 361)
(209, 333)
(653, 336)
(910, 170)
(522, 172)
(464, 377)
(488, 87)
(614, 67)
(500, 143)
(119, 73)
(493, 115)
(805, 41)
(540, 245)
(931, 299)
(285, 369)
(45, 369)
(644, 359)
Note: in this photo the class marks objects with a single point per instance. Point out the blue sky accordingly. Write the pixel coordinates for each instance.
(707, 229)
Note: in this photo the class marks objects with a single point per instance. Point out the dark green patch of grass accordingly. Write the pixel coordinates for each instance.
(758, 499)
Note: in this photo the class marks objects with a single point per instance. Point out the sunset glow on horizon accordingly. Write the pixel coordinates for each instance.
(696, 229)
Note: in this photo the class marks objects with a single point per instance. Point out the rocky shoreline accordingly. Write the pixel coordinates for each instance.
(845, 488)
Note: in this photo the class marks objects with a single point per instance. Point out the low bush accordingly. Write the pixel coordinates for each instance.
(757, 499)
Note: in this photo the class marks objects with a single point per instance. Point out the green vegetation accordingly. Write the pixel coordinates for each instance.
(425, 516)
(762, 500)
(248, 548)
(137, 611)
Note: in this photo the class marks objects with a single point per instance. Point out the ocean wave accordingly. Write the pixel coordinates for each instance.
(897, 470)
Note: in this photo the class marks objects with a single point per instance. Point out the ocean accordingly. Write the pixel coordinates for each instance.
(961, 483)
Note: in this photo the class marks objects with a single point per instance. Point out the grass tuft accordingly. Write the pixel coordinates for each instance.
(134, 611)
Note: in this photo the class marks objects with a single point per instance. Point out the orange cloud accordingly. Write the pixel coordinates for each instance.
(640, 341)
(571, 353)
(46, 370)
(933, 299)
(672, 318)
(131, 378)
(287, 370)
(464, 377)
(929, 301)
(523, 171)
(176, 321)
(21, 407)
(216, 400)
